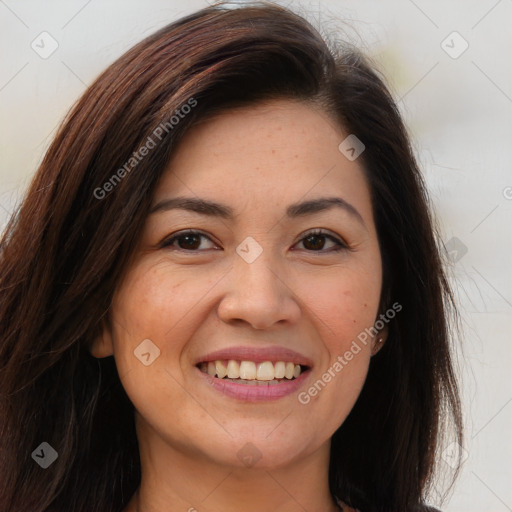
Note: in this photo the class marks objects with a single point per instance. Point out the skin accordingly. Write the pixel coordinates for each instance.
(296, 294)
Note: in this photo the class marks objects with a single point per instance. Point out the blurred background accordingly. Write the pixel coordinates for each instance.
(449, 66)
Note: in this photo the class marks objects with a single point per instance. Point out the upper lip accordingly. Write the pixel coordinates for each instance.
(257, 354)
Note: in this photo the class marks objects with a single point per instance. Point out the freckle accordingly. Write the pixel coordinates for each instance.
(273, 151)
(365, 305)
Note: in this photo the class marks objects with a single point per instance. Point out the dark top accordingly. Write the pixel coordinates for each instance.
(346, 508)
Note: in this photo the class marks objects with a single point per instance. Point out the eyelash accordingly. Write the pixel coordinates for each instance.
(315, 232)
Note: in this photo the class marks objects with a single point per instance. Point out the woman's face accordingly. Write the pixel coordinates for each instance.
(254, 286)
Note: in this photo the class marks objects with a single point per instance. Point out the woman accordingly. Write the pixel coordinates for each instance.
(223, 290)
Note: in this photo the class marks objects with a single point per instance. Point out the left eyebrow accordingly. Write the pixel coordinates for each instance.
(322, 204)
(213, 209)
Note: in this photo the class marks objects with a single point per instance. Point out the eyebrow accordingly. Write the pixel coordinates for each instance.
(213, 209)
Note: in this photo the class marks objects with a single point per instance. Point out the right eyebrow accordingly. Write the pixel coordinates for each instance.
(192, 204)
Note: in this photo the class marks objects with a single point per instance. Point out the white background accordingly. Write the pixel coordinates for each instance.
(458, 110)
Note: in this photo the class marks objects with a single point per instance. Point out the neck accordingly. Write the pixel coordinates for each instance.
(194, 483)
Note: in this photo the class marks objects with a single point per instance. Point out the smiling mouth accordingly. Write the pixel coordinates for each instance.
(253, 373)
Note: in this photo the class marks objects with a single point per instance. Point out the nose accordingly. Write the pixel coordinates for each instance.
(259, 295)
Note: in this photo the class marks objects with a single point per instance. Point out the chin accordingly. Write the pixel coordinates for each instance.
(261, 451)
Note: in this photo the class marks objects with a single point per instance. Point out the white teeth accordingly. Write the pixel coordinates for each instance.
(255, 382)
(221, 369)
(211, 368)
(290, 368)
(247, 371)
(233, 369)
(265, 371)
(279, 370)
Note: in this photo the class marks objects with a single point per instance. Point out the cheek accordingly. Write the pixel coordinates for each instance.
(345, 306)
(155, 301)
(150, 306)
(346, 303)
(155, 304)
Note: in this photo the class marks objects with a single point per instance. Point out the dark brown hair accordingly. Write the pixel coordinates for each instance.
(65, 249)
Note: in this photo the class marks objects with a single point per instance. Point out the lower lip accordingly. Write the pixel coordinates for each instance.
(248, 393)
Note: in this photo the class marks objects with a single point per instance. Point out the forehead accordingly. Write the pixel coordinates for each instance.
(269, 154)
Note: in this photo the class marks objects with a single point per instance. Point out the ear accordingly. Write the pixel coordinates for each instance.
(102, 345)
(379, 340)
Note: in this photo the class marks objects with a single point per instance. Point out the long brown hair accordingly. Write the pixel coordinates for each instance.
(66, 248)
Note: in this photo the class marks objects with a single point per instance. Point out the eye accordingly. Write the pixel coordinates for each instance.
(188, 240)
(314, 241)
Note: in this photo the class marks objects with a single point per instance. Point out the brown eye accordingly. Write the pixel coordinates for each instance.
(189, 241)
(185, 241)
(315, 241)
